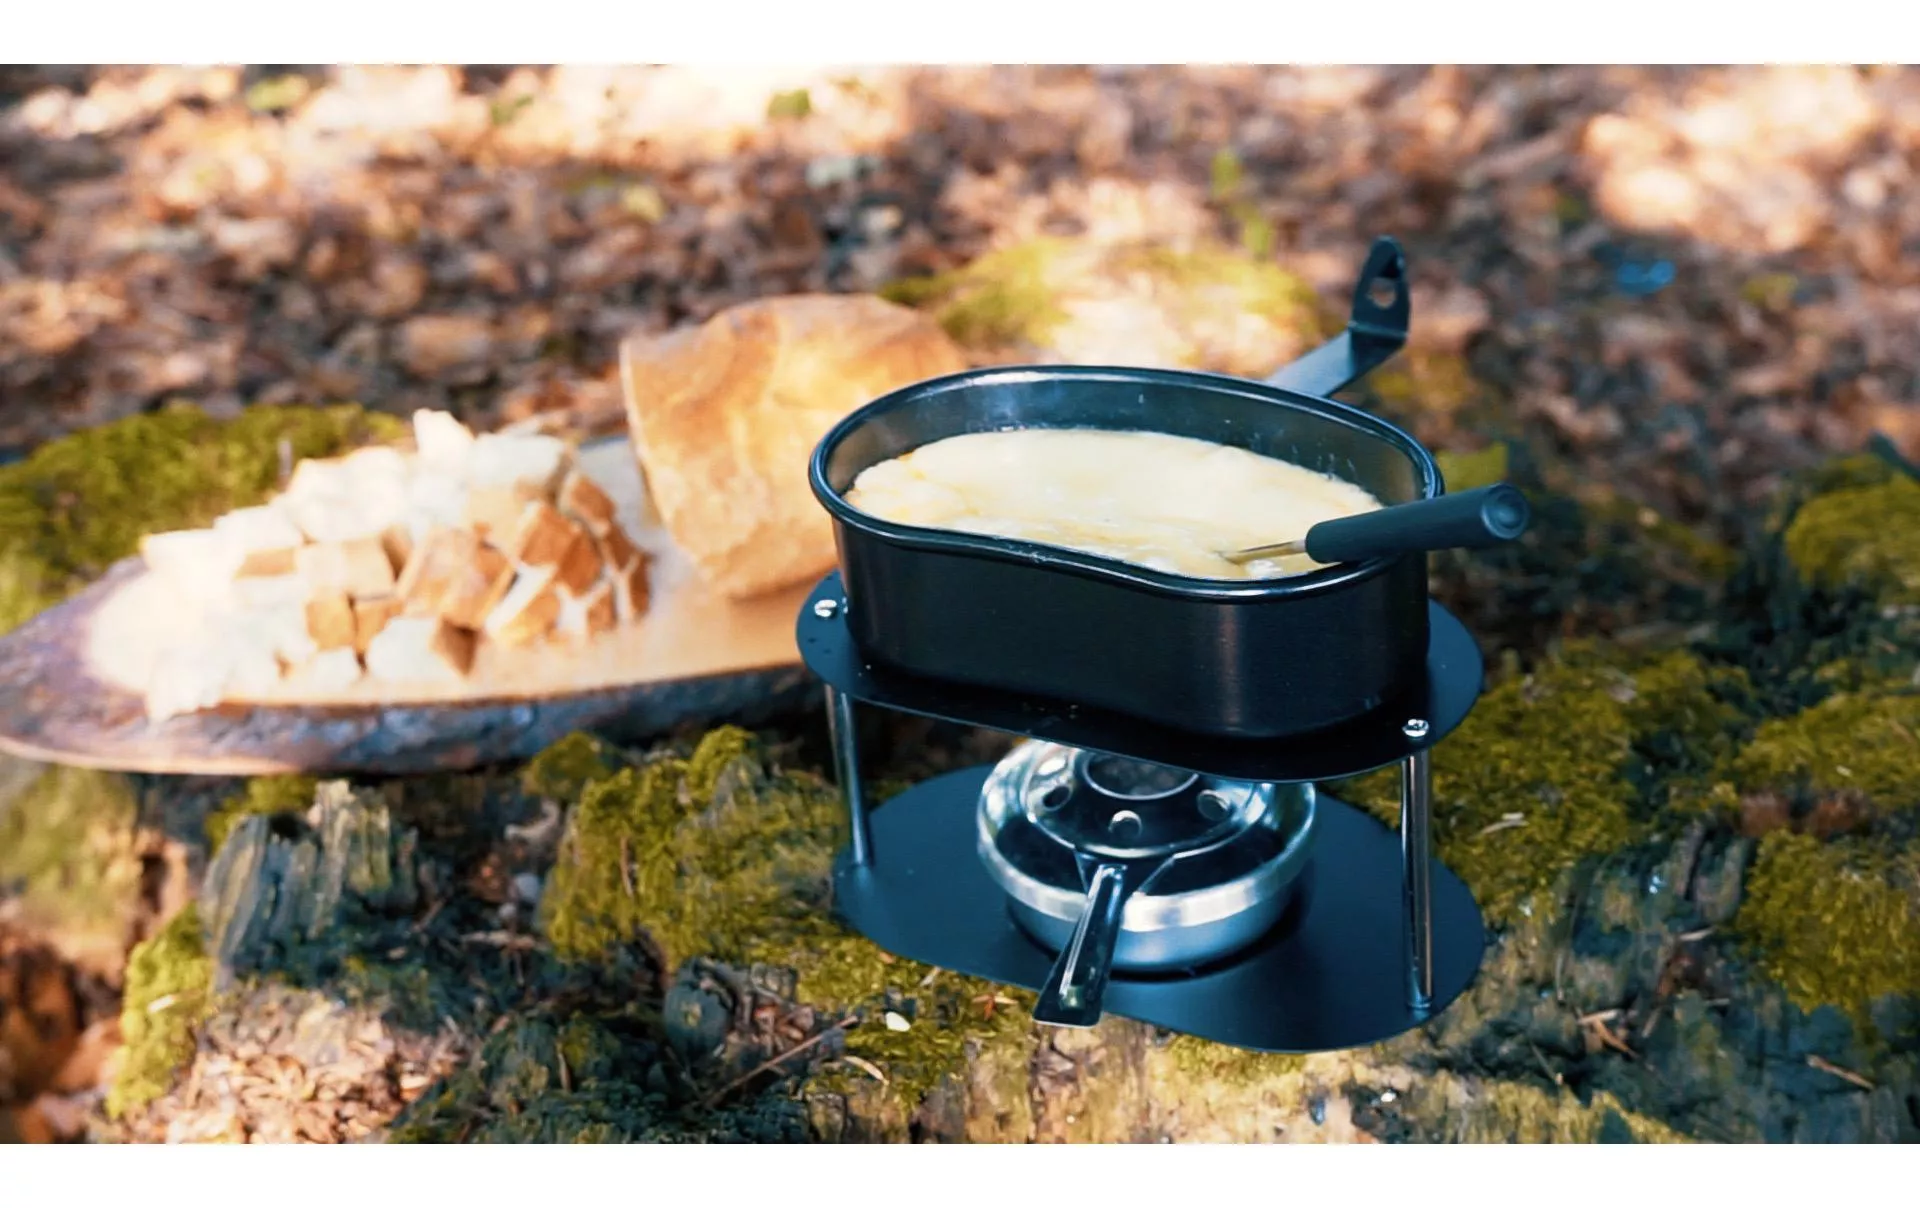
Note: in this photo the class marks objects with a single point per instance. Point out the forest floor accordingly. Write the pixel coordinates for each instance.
(1684, 281)
(1669, 290)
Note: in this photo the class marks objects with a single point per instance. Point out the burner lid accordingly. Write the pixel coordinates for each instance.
(1128, 809)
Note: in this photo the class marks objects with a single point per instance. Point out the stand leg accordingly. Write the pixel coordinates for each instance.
(1416, 791)
(846, 770)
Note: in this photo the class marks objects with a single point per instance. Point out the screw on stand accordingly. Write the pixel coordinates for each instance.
(1416, 797)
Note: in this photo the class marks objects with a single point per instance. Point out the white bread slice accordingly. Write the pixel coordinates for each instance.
(359, 567)
(493, 511)
(451, 574)
(370, 616)
(255, 669)
(435, 499)
(579, 566)
(420, 649)
(199, 563)
(316, 478)
(227, 656)
(267, 564)
(262, 529)
(374, 464)
(284, 625)
(330, 620)
(332, 501)
(586, 616)
(398, 542)
(541, 536)
(527, 612)
(257, 592)
(630, 592)
(512, 459)
(344, 516)
(328, 672)
(616, 550)
(442, 443)
(186, 679)
(378, 477)
(582, 500)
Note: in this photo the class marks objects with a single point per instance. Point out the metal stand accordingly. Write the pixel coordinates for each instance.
(1416, 865)
(1329, 975)
(846, 772)
(1347, 966)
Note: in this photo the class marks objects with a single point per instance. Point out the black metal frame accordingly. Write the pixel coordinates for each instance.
(944, 909)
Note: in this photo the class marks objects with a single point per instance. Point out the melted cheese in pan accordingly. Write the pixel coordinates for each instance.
(1148, 498)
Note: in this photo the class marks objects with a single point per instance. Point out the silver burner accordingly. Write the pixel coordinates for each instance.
(1115, 863)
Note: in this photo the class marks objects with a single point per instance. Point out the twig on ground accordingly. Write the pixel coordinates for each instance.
(1828, 1067)
(1558, 1078)
(776, 1060)
(867, 1067)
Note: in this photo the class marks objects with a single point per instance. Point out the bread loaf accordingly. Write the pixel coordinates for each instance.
(725, 417)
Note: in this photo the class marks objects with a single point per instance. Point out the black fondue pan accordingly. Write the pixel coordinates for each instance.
(1236, 658)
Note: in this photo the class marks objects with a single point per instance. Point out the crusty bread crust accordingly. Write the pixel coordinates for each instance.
(725, 416)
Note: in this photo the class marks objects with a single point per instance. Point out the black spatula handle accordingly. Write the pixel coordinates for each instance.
(1470, 520)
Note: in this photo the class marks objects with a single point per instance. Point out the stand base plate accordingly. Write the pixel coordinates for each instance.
(1331, 975)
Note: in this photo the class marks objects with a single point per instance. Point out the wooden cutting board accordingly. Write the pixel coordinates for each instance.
(69, 679)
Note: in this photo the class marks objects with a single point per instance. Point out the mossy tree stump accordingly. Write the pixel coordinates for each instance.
(1695, 849)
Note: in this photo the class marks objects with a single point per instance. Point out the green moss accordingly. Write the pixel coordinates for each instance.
(585, 1081)
(1465, 471)
(1017, 297)
(1864, 536)
(1617, 515)
(564, 770)
(81, 503)
(1857, 743)
(277, 94)
(1217, 1064)
(1007, 297)
(1842, 473)
(1835, 922)
(1543, 774)
(1424, 381)
(263, 795)
(168, 995)
(793, 105)
(67, 853)
(714, 856)
(1472, 1112)
(1770, 291)
(1257, 286)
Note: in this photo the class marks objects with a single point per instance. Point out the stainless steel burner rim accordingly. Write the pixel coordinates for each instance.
(1144, 911)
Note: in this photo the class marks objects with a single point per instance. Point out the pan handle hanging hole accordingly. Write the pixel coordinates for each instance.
(1383, 291)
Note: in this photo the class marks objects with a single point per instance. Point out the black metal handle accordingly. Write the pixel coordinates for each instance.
(1376, 328)
(1470, 520)
(1077, 984)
